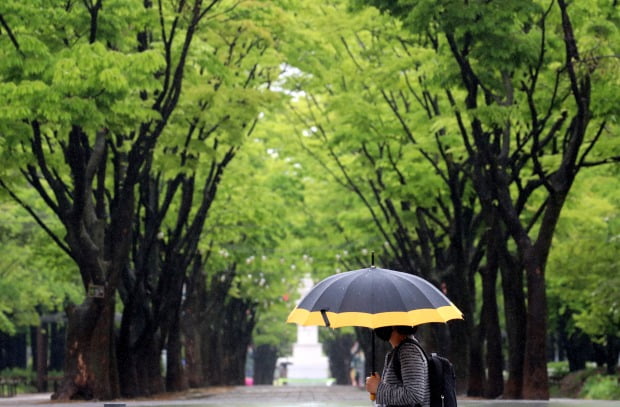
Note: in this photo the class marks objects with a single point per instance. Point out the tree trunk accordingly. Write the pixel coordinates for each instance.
(90, 365)
(459, 285)
(126, 356)
(456, 346)
(265, 358)
(41, 360)
(612, 351)
(515, 315)
(212, 368)
(175, 372)
(193, 313)
(19, 354)
(57, 346)
(13, 351)
(149, 357)
(493, 337)
(577, 346)
(338, 350)
(536, 381)
(139, 346)
(494, 361)
(193, 357)
(32, 334)
(224, 360)
(477, 377)
(127, 370)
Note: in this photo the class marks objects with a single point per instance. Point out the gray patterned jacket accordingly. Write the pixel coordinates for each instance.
(414, 388)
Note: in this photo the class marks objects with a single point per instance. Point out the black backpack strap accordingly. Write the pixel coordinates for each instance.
(396, 355)
(416, 343)
(396, 362)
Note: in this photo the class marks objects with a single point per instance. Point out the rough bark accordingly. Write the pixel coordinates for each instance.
(176, 380)
(338, 350)
(193, 314)
(139, 348)
(42, 356)
(493, 338)
(494, 385)
(57, 346)
(578, 349)
(100, 252)
(224, 359)
(477, 376)
(193, 357)
(457, 343)
(535, 382)
(90, 367)
(515, 315)
(265, 358)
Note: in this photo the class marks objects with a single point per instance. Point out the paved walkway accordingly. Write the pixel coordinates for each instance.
(283, 396)
(229, 396)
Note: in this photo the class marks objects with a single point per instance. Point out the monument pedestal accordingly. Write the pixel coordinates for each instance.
(308, 360)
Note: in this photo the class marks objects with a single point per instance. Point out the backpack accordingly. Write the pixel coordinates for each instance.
(441, 377)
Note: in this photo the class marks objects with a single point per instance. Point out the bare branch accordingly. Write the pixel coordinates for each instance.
(594, 140)
(59, 242)
(4, 24)
(346, 46)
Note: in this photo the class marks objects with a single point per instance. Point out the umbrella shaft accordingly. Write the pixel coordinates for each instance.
(372, 353)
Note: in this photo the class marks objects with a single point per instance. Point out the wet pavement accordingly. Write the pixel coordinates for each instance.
(280, 396)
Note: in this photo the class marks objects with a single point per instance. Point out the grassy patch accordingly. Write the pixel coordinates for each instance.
(601, 387)
(589, 383)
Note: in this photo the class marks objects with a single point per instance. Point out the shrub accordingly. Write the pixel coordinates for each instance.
(558, 370)
(16, 372)
(601, 387)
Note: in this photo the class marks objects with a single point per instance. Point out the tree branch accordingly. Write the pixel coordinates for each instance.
(37, 219)
(4, 24)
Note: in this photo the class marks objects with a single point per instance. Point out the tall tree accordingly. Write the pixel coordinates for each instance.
(583, 286)
(251, 258)
(526, 84)
(228, 85)
(89, 92)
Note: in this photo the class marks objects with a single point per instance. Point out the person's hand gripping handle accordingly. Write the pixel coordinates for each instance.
(372, 383)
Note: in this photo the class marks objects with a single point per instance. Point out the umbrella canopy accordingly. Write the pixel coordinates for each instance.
(373, 297)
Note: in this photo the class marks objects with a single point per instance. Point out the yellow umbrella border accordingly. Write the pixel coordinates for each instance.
(442, 314)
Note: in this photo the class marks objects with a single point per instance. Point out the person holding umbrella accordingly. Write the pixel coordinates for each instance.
(386, 301)
(404, 381)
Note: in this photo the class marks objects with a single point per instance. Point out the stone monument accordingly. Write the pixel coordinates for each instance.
(308, 360)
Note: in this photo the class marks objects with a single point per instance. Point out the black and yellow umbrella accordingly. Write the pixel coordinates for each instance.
(373, 297)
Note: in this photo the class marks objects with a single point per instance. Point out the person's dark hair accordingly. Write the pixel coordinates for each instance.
(384, 333)
(406, 330)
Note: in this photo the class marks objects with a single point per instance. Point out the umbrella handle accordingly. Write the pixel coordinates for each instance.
(373, 396)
